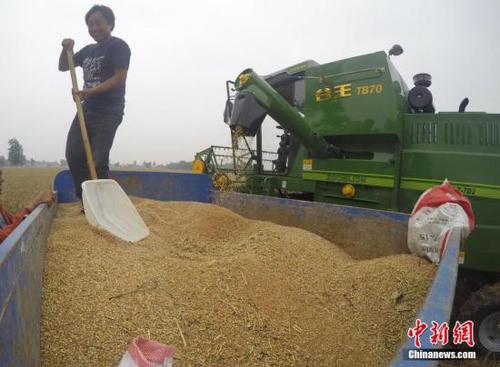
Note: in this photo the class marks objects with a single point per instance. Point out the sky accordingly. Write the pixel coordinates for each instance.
(184, 51)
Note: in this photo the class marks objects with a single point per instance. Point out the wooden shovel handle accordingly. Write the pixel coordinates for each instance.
(81, 117)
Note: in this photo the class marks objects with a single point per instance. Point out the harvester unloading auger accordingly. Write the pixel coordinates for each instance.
(355, 134)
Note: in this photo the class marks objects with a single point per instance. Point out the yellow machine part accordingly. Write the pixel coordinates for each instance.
(348, 190)
(221, 181)
(244, 78)
(198, 166)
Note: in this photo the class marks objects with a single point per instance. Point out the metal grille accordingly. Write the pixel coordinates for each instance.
(424, 132)
(489, 133)
(458, 133)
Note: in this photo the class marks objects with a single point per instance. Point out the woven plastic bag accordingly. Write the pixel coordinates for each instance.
(437, 211)
(143, 352)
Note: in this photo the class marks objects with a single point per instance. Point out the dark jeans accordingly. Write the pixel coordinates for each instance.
(101, 129)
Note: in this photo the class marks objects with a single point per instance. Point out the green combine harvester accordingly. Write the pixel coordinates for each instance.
(354, 134)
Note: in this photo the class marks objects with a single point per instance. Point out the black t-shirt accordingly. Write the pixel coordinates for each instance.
(99, 62)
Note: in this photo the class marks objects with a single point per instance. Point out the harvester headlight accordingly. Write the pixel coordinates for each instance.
(244, 78)
(198, 166)
(348, 190)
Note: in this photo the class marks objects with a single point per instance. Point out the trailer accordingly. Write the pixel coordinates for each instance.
(22, 254)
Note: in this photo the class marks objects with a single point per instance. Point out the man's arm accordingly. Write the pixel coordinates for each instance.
(67, 44)
(5, 231)
(118, 79)
(46, 197)
(13, 220)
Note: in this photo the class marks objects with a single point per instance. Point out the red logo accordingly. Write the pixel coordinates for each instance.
(464, 333)
(417, 331)
(439, 333)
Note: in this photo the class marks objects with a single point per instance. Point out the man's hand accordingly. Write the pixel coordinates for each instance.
(85, 94)
(46, 197)
(67, 44)
(82, 94)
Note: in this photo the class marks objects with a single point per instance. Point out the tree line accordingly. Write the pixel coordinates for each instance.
(16, 157)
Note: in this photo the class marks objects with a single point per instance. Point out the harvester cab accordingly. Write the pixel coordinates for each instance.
(244, 113)
(345, 111)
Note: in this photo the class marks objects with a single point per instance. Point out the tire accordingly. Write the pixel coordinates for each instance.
(483, 308)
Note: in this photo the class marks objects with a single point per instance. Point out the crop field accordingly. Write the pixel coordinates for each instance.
(21, 184)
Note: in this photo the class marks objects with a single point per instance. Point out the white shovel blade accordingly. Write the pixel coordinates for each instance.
(108, 207)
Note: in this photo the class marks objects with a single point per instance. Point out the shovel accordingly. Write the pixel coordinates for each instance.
(106, 204)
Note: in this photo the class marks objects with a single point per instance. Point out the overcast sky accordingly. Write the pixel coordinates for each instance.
(184, 51)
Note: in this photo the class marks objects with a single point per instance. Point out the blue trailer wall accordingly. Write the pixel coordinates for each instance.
(438, 303)
(21, 270)
(151, 185)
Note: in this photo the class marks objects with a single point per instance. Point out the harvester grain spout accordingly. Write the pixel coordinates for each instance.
(256, 98)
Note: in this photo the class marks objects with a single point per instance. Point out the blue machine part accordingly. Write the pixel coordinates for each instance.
(165, 186)
(22, 254)
(21, 269)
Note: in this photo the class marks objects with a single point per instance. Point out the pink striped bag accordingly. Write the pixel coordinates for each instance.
(143, 352)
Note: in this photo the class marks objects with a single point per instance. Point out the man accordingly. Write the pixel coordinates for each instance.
(105, 66)
(9, 221)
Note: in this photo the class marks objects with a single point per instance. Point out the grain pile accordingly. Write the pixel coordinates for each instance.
(224, 290)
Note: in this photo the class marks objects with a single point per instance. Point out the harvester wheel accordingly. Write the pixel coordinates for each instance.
(483, 308)
(221, 181)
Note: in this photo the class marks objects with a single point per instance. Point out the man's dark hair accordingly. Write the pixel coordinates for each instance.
(106, 12)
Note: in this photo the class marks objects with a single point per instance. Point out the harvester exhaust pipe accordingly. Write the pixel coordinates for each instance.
(463, 104)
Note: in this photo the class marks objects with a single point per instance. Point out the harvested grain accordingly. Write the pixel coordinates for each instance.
(224, 290)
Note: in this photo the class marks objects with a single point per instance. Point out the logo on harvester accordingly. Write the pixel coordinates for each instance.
(342, 90)
(346, 90)
(466, 190)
